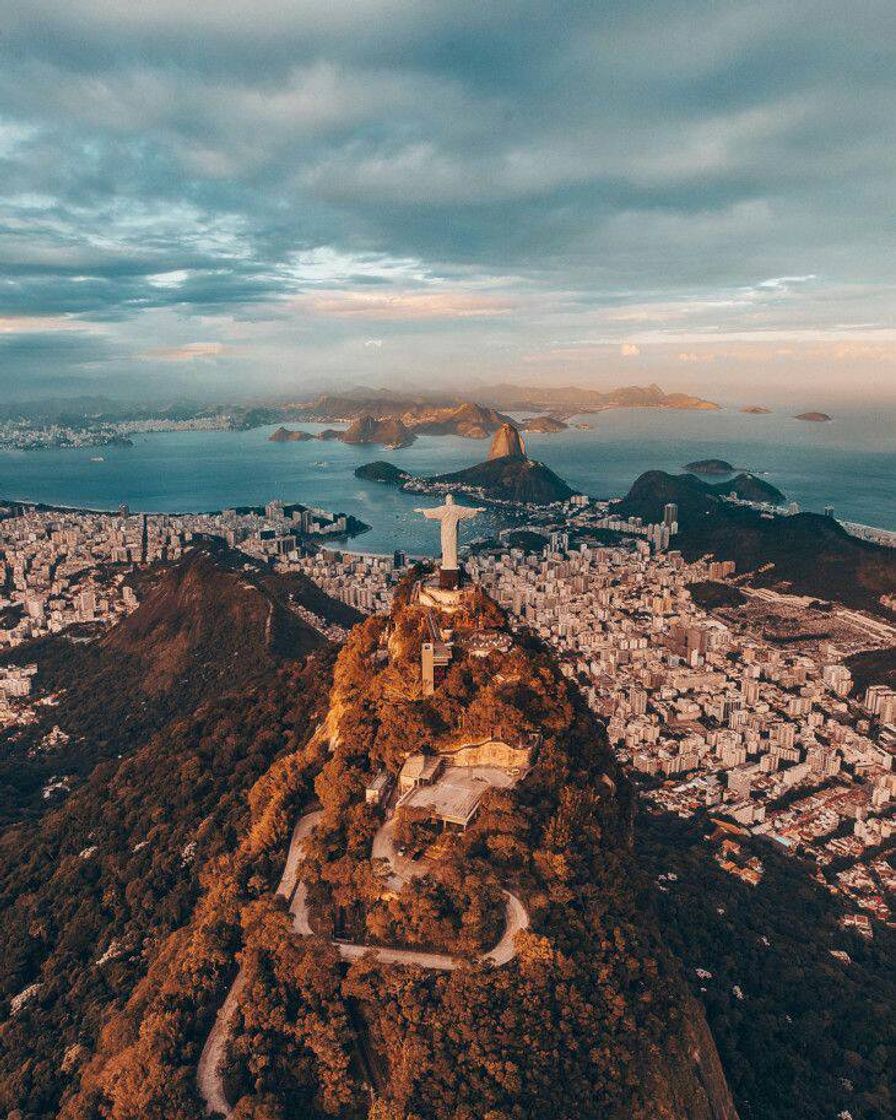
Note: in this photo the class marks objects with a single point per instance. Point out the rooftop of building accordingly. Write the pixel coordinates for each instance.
(455, 797)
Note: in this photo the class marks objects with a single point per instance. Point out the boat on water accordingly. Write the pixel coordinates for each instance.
(97, 459)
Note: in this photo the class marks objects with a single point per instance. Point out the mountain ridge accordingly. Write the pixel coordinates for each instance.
(204, 626)
(806, 553)
(479, 413)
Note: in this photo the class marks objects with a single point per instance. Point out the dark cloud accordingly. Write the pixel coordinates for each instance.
(210, 159)
(49, 362)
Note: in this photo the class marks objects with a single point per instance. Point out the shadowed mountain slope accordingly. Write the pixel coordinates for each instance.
(96, 890)
(511, 479)
(204, 627)
(806, 553)
(653, 489)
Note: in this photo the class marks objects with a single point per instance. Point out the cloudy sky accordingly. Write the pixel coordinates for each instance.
(233, 198)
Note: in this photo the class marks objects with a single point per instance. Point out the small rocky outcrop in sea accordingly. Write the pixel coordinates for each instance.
(285, 435)
(389, 431)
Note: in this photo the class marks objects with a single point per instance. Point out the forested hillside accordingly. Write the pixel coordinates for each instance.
(204, 626)
(89, 895)
(141, 892)
(808, 553)
(127, 911)
(801, 1033)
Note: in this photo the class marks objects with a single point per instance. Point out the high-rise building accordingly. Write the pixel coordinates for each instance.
(670, 514)
(637, 701)
(876, 697)
(838, 679)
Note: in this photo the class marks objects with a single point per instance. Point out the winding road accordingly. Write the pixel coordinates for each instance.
(208, 1077)
(211, 1084)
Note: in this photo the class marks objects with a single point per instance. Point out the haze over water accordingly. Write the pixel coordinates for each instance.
(849, 463)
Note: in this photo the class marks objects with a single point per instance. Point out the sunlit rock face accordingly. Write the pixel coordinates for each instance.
(508, 443)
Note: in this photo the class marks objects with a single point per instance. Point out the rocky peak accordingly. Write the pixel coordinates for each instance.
(508, 443)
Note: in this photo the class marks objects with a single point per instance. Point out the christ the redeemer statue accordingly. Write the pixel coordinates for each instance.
(449, 515)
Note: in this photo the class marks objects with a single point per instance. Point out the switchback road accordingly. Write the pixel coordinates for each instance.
(210, 1082)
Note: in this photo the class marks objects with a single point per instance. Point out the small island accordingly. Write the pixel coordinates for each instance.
(755, 410)
(814, 417)
(710, 466)
(285, 435)
(543, 424)
(389, 431)
(381, 471)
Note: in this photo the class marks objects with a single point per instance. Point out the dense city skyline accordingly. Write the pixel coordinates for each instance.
(410, 193)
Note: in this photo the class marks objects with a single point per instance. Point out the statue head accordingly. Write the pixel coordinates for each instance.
(449, 500)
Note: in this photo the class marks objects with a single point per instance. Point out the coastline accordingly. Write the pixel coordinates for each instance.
(354, 526)
(849, 466)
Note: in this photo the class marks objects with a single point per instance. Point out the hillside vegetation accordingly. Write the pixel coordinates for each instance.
(801, 1033)
(590, 1019)
(807, 553)
(204, 626)
(122, 906)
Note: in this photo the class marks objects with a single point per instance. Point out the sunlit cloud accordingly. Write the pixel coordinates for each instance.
(192, 351)
(26, 324)
(694, 358)
(404, 306)
(322, 185)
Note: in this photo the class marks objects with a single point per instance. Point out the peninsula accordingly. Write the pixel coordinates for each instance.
(508, 475)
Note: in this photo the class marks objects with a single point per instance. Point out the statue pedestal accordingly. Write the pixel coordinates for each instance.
(449, 579)
(447, 599)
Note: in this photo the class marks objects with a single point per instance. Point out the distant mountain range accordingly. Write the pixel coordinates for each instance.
(475, 414)
(569, 400)
(441, 414)
(395, 420)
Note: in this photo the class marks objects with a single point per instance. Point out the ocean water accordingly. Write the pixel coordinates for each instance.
(849, 463)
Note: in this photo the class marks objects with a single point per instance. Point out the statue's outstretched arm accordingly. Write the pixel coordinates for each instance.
(432, 514)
